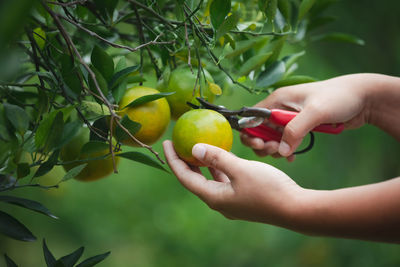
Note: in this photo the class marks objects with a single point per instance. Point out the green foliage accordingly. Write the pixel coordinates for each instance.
(69, 63)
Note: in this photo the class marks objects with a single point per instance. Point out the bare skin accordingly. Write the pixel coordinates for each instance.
(255, 191)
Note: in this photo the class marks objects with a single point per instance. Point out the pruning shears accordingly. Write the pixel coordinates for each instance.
(250, 120)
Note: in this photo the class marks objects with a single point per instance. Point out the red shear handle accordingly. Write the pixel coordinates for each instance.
(282, 117)
(264, 132)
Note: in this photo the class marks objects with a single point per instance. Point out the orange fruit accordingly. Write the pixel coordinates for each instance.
(200, 126)
(182, 81)
(153, 116)
(95, 169)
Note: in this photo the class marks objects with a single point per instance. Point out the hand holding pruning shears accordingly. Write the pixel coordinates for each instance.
(255, 191)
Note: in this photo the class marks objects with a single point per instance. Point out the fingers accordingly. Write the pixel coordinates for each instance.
(218, 158)
(192, 179)
(219, 175)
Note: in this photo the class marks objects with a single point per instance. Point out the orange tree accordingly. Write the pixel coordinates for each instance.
(67, 64)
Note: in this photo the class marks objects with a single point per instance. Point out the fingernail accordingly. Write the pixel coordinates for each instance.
(198, 151)
(284, 148)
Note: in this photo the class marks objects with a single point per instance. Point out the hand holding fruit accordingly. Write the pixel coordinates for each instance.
(241, 189)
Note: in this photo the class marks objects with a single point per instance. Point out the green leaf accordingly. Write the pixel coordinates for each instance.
(147, 98)
(70, 259)
(102, 62)
(9, 261)
(47, 165)
(229, 24)
(69, 132)
(17, 117)
(118, 77)
(142, 158)
(94, 146)
(292, 80)
(95, 108)
(50, 130)
(72, 173)
(319, 22)
(132, 126)
(55, 134)
(28, 204)
(119, 91)
(102, 127)
(11, 227)
(243, 46)
(219, 9)
(305, 6)
(23, 170)
(101, 81)
(291, 59)
(48, 256)
(92, 261)
(339, 37)
(271, 75)
(69, 74)
(270, 12)
(285, 8)
(253, 63)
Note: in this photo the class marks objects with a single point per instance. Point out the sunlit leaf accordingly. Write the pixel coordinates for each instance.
(147, 98)
(253, 63)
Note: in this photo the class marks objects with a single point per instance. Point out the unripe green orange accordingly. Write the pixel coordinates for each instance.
(200, 126)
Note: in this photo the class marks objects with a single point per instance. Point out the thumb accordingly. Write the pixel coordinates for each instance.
(296, 129)
(217, 158)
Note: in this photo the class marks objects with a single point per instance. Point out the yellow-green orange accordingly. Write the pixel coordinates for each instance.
(95, 169)
(154, 116)
(182, 82)
(200, 126)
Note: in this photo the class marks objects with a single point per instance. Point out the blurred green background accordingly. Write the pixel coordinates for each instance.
(146, 218)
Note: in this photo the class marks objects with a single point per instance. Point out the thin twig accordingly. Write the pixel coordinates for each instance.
(91, 33)
(148, 9)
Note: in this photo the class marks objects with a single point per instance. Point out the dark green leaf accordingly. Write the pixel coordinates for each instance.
(339, 37)
(94, 146)
(101, 81)
(102, 62)
(305, 6)
(69, 132)
(70, 259)
(50, 130)
(23, 170)
(17, 117)
(48, 256)
(55, 134)
(118, 77)
(72, 173)
(271, 75)
(132, 126)
(142, 158)
(271, 9)
(147, 98)
(92, 261)
(219, 9)
(102, 128)
(9, 261)
(48, 165)
(253, 63)
(28, 204)
(228, 24)
(11, 227)
(285, 8)
(319, 22)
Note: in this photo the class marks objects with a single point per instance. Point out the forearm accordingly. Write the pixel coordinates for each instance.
(384, 103)
(369, 212)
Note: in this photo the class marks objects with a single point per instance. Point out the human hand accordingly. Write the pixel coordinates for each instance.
(241, 189)
(337, 100)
